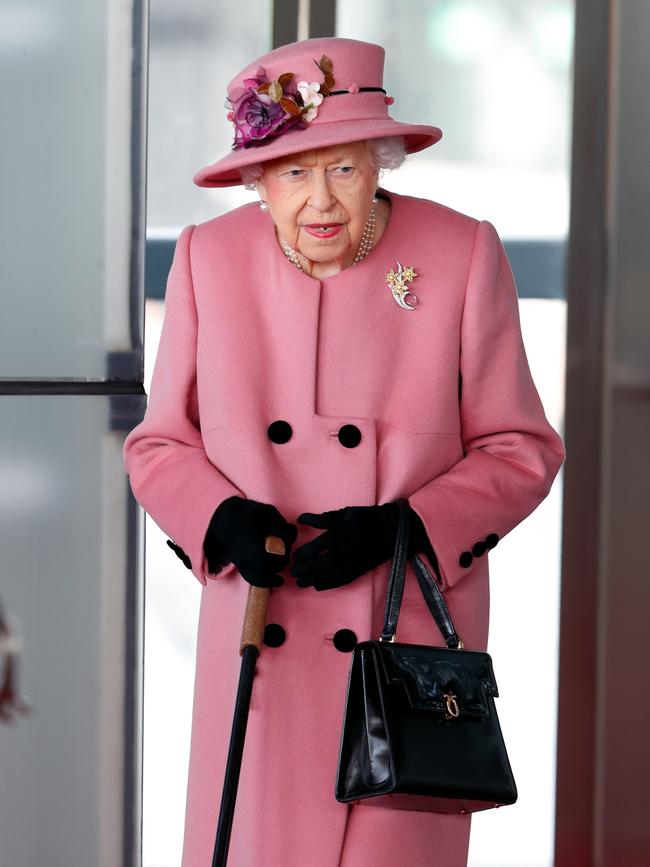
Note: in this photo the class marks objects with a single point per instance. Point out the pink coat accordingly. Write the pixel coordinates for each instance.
(448, 416)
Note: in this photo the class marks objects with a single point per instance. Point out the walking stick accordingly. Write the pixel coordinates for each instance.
(250, 648)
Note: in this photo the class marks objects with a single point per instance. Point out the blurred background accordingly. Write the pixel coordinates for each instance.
(109, 108)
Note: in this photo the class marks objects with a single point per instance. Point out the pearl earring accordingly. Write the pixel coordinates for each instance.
(374, 200)
(263, 206)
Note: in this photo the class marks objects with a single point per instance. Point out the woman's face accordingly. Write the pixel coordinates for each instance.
(333, 186)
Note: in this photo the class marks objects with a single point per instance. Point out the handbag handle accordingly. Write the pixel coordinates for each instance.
(430, 590)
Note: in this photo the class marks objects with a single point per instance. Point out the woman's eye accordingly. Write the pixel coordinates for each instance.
(294, 173)
(345, 170)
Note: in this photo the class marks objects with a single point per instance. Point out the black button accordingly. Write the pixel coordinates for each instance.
(180, 553)
(344, 640)
(491, 540)
(349, 436)
(279, 431)
(479, 549)
(466, 558)
(274, 634)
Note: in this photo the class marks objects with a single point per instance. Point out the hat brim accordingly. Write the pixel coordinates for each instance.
(225, 172)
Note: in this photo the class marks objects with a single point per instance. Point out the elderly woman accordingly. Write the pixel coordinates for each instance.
(325, 351)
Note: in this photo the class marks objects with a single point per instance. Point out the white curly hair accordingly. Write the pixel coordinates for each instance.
(386, 153)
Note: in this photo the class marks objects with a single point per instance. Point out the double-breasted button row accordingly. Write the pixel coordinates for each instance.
(343, 639)
(274, 634)
(349, 436)
(478, 549)
(280, 431)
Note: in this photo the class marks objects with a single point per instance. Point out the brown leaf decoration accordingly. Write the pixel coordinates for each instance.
(290, 106)
(326, 67)
(275, 91)
(264, 88)
(284, 79)
(326, 64)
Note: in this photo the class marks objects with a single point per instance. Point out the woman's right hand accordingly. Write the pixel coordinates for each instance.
(237, 533)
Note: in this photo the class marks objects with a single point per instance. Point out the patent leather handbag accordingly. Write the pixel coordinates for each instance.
(420, 728)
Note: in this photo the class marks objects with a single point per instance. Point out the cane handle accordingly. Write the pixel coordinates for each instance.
(256, 604)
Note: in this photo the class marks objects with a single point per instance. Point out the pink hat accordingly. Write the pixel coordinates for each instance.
(305, 95)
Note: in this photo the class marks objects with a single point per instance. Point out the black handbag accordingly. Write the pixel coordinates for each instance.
(420, 728)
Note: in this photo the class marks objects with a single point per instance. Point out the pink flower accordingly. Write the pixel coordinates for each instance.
(353, 88)
(257, 117)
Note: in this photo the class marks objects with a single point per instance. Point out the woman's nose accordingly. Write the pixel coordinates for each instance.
(320, 195)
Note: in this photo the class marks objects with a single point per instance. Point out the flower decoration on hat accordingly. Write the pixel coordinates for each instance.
(261, 109)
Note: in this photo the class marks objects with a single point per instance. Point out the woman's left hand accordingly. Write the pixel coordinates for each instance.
(356, 539)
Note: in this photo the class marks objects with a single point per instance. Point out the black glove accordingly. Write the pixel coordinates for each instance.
(357, 539)
(237, 532)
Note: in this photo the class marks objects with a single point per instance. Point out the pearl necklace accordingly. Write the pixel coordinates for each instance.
(365, 245)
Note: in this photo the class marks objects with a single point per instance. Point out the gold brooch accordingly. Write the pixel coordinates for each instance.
(397, 282)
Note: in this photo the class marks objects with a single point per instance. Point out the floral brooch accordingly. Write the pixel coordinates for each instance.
(397, 281)
(263, 109)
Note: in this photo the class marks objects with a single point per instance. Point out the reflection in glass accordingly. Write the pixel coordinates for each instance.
(74, 759)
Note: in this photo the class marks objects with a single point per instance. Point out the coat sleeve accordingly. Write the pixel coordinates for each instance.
(511, 452)
(169, 472)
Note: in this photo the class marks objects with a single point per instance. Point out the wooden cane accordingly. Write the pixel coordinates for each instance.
(252, 638)
(257, 603)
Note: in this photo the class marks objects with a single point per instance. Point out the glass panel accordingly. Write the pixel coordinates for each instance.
(68, 188)
(524, 632)
(195, 49)
(70, 770)
(496, 158)
(495, 76)
(171, 621)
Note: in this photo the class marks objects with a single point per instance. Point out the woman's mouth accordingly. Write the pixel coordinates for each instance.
(323, 230)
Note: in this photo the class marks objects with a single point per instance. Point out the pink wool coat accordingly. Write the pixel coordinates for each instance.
(447, 414)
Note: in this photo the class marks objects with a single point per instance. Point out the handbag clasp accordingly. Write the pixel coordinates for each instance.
(391, 640)
(452, 705)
